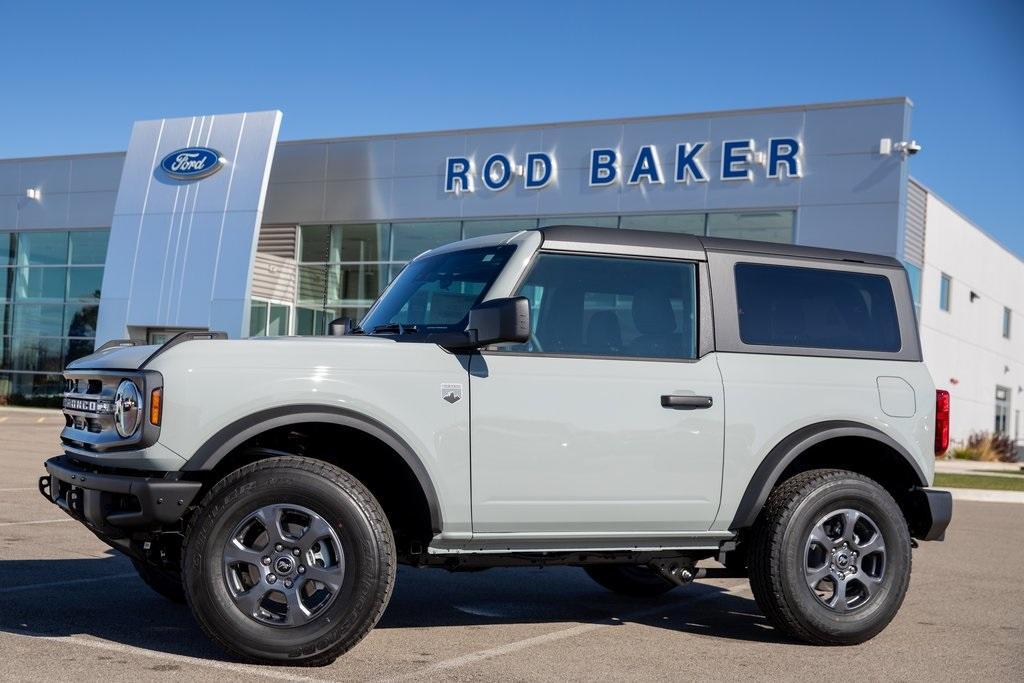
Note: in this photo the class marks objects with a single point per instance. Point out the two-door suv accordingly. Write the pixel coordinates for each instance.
(629, 402)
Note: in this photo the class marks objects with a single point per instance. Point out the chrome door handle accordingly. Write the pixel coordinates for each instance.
(686, 402)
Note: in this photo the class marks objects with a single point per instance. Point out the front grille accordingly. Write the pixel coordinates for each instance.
(88, 405)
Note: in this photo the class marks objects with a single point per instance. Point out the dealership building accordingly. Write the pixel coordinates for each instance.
(210, 222)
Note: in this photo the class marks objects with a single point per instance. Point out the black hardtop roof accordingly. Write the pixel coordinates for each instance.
(668, 240)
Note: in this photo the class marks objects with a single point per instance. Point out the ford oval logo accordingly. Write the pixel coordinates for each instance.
(192, 163)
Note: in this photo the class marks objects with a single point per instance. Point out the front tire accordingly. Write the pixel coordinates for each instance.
(634, 580)
(830, 558)
(289, 560)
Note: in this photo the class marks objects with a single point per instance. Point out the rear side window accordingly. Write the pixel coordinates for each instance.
(815, 308)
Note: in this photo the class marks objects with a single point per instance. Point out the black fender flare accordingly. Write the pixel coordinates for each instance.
(786, 451)
(238, 432)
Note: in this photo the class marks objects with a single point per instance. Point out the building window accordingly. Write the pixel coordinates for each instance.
(1007, 316)
(50, 285)
(268, 318)
(344, 268)
(766, 226)
(1002, 410)
(945, 285)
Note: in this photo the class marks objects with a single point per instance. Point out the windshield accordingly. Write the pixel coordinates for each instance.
(434, 294)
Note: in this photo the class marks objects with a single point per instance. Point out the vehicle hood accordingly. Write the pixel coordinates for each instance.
(115, 358)
(252, 352)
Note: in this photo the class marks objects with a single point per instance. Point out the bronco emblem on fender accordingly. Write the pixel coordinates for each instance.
(451, 392)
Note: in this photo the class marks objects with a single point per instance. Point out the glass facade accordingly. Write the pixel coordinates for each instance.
(269, 318)
(49, 298)
(344, 268)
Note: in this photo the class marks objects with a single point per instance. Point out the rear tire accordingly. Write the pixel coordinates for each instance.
(288, 560)
(634, 580)
(164, 581)
(830, 558)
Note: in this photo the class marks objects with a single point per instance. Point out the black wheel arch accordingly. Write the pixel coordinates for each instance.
(786, 455)
(234, 435)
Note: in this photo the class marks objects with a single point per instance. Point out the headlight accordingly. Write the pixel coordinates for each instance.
(127, 408)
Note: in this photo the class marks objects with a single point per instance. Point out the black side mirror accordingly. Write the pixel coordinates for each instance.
(499, 320)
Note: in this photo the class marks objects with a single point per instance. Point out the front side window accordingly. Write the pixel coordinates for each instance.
(815, 308)
(610, 306)
(434, 294)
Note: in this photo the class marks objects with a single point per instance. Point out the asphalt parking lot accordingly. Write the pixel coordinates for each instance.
(71, 608)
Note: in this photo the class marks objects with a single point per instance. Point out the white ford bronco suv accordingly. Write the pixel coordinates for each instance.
(628, 402)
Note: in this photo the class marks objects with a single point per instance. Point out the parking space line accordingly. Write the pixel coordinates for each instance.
(37, 521)
(571, 632)
(68, 582)
(120, 648)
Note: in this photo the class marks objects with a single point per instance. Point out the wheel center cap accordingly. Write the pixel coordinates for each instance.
(842, 560)
(284, 565)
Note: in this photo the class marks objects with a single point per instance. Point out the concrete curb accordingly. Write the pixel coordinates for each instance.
(976, 467)
(986, 496)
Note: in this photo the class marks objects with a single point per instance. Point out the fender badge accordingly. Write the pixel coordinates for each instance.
(451, 392)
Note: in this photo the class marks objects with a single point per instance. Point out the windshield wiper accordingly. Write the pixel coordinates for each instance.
(393, 328)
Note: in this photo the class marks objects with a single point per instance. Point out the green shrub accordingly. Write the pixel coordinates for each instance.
(987, 447)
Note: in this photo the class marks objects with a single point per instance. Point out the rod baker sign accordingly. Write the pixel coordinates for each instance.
(739, 160)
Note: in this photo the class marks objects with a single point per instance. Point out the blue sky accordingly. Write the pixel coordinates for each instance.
(73, 77)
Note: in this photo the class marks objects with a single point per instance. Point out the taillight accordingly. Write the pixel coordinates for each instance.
(941, 421)
(156, 407)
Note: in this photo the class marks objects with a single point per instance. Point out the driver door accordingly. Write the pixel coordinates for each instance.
(607, 420)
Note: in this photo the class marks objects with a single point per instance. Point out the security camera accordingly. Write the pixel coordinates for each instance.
(907, 149)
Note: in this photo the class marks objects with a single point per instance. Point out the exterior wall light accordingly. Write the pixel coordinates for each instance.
(34, 193)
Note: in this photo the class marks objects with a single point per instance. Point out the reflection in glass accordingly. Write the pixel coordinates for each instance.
(766, 226)
(257, 318)
(7, 283)
(84, 283)
(42, 248)
(36, 354)
(40, 284)
(348, 242)
(494, 227)
(277, 324)
(89, 247)
(686, 223)
(412, 239)
(77, 348)
(8, 241)
(592, 221)
(38, 320)
(80, 320)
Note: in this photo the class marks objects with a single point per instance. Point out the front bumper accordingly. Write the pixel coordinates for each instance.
(931, 513)
(113, 504)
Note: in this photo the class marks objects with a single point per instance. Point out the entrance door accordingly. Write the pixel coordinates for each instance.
(606, 421)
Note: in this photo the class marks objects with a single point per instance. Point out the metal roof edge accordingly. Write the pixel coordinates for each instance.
(967, 220)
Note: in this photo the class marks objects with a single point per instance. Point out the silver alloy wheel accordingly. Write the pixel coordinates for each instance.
(284, 565)
(845, 560)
